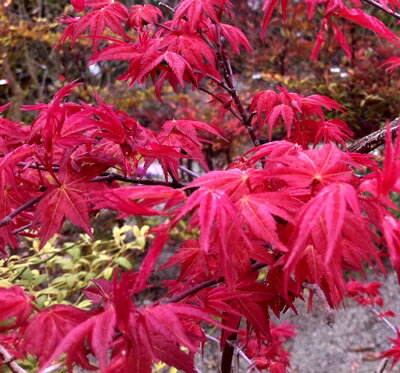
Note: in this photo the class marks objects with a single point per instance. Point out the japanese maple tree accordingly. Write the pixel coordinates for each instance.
(302, 209)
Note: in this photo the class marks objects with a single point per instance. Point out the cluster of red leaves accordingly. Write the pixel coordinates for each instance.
(304, 213)
(338, 9)
(369, 295)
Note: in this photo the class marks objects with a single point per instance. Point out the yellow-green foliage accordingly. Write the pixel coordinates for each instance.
(55, 274)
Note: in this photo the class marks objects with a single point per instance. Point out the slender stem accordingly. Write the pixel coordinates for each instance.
(116, 177)
(189, 172)
(20, 229)
(384, 361)
(372, 141)
(53, 368)
(164, 27)
(206, 284)
(7, 219)
(226, 69)
(166, 6)
(229, 108)
(382, 365)
(383, 318)
(9, 360)
(330, 316)
(381, 7)
(112, 176)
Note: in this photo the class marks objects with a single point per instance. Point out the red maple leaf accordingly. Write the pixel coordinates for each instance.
(111, 14)
(67, 197)
(15, 303)
(46, 330)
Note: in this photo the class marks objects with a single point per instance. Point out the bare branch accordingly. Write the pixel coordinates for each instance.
(372, 141)
(226, 69)
(206, 284)
(166, 6)
(9, 360)
(7, 219)
(386, 10)
(384, 361)
(229, 108)
(20, 229)
(189, 172)
(111, 176)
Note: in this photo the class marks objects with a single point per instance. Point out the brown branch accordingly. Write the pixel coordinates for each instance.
(7, 219)
(111, 176)
(117, 177)
(226, 69)
(20, 229)
(9, 360)
(229, 108)
(206, 284)
(386, 10)
(372, 141)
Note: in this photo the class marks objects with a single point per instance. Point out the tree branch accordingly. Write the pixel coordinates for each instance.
(226, 69)
(229, 108)
(386, 10)
(189, 172)
(9, 360)
(111, 176)
(7, 219)
(206, 284)
(372, 141)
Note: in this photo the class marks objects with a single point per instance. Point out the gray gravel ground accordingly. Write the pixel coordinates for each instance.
(354, 342)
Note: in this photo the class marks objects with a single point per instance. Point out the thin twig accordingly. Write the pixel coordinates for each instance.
(372, 141)
(112, 176)
(166, 6)
(53, 368)
(20, 229)
(206, 284)
(117, 177)
(381, 7)
(9, 360)
(226, 69)
(384, 361)
(189, 172)
(330, 316)
(7, 219)
(229, 108)
(382, 365)
(383, 318)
